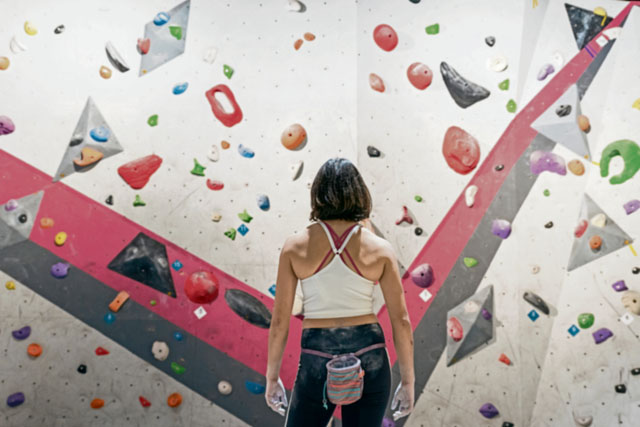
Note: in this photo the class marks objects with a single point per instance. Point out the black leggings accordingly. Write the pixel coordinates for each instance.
(306, 408)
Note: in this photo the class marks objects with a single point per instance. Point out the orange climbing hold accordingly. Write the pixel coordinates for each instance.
(117, 302)
(376, 82)
(34, 350)
(46, 222)
(225, 144)
(293, 136)
(595, 242)
(89, 157)
(309, 37)
(583, 123)
(97, 403)
(576, 167)
(174, 400)
(297, 44)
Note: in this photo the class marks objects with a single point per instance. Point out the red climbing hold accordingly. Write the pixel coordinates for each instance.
(144, 402)
(227, 119)
(405, 217)
(461, 150)
(419, 75)
(581, 228)
(202, 287)
(385, 37)
(215, 185)
(454, 328)
(101, 351)
(137, 172)
(504, 359)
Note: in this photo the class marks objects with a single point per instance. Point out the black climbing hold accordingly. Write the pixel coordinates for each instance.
(415, 1)
(549, 224)
(499, 167)
(585, 24)
(373, 151)
(59, 29)
(621, 388)
(563, 110)
(22, 218)
(536, 301)
(248, 307)
(507, 424)
(145, 260)
(635, 270)
(490, 41)
(418, 231)
(635, 371)
(463, 91)
(82, 369)
(76, 140)
(109, 200)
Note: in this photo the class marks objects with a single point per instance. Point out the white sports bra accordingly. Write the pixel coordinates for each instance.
(336, 290)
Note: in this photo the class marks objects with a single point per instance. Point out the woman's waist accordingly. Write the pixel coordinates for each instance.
(341, 339)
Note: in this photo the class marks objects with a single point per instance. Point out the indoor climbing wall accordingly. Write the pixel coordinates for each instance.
(153, 157)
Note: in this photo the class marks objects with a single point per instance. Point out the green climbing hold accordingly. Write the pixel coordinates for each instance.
(152, 302)
(231, 233)
(198, 169)
(504, 85)
(177, 369)
(547, 193)
(228, 71)
(418, 199)
(138, 201)
(153, 120)
(585, 320)
(511, 106)
(630, 153)
(176, 32)
(245, 216)
(433, 29)
(470, 262)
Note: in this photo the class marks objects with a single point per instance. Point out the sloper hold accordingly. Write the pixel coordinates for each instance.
(16, 224)
(137, 172)
(536, 301)
(248, 307)
(145, 260)
(585, 24)
(613, 237)
(477, 329)
(464, 92)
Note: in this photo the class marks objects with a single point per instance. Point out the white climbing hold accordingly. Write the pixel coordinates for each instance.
(498, 63)
(210, 55)
(216, 217)
(214, 153)
(425, 295)
(557, 60)
(294, 6)
(16, 46)
(224, 387)
(160, 350)
(612, 33)
(535, 269)
(599, 220)
(200, 312)
(470, 195)
(296, 170)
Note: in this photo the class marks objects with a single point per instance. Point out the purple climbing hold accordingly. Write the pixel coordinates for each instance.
(631, 206)
(16, 399)
(488, 410)
(22, 333)
(619, 286)
(545, 71)
(486, 314)
(422, 275)
(11, 205)
(602, 335)
(60, 270)
(6, 125)
(501, 228)
(541, 161)
(388, 422)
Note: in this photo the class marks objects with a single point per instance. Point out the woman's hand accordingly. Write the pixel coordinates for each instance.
(403, 398)
(276, 396)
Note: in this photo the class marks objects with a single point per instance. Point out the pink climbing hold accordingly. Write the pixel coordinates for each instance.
(541, 161)
(202, 287)
(143, 46)
(419, 75)
(376, 83)
(581, 228)
(422, 275)
(227, 119)
(6, 125)
(385, 37)
(454, 329)
(460, 150)
(405, 217)
(138, 172)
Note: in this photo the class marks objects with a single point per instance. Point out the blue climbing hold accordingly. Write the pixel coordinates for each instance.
(161, 18)
(180, 88)
(573, 330)
(243, 229)
(263, 202)
(245, 151)
(100, 134)
(272, 289)
(178, 336)
(255, 388)
(533, 315)
(109, 318)
(177, 265)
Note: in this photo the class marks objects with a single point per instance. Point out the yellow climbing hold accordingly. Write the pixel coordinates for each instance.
(10, 285)
(633, 251)
(601, 12)
(30, 29)
(60, 238)
(4, 62)
(636, 104)
(105, 72)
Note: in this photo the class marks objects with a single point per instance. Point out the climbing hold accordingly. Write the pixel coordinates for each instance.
(422, 275)
(105, 72)
(160, 350)
(600, 12)
(454, 329)
(16, 46)
(488, 410)
(200, 312)
(138, 201)
(30, 29)
(174, 400)
(309, 37)
(143, 46)
(216, 217)
(549, 224)
(293, 136)
(118, 301)
(144, 402)
(152, 302)
(101, 351)
(388, 422)
(59, 29)
(504, 359)
(584, 421)
(470, 262)
(227, 70)
(630, 153)
(576, 167)
(541, 161)
(231, 233)
(263, 202)
(246, 151)
(581, 228)
(490, 41)
(224, 387)
(178, 336)
(297, 44)
(296, 169)
(636, 104)
(405, 217)
(198, 169)
(4, 62)
(461, 150)
(82, 369)
(376, 83)
(418, 198)
(501, 228)
(631, 206)
(109, 200)
(546, 70)
(177, 368)
(11, 205)
(497, 63)
(255, 388)
(418, 231)
(60, 238)
(100, 134)
(546, 193)
(631, 302)
(419, 75)
(210, 55)
(227, 119)
(152, 120)
(6, 125)
(563, 110)
(244, 215)
(97, 403)
(176, 31)
(464, 92)
(585, 320)
(373, 151)
(511, 106)
(60, 270)
(433, 29)
(248, 307)
(214, 153)
(161, 18)
(15, 399)
(180, 88)
(504, 85)
(599, 220)
(137, 172)
(573, 330)
(10, 285)
(272, 290)
(109, 318)
(243, 229)
(533, 315)
(507, 424)
(22, 333)
(595, 242)
(499, 167)
(470, 195)
(602, 335)
(583, 123)
(214, 185)
(536, 301)
(115, 58)
(385, 37)
(296, 6)
(621, 388)
(635, 270)
(89, 157)
(635, 371)
(201, 287)
(486, 314)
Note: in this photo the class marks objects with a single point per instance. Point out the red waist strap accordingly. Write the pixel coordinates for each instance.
(332, 356)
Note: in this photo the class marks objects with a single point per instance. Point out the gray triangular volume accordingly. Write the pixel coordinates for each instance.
(585, 24)
(477, 329)
(564, 130)
(90, 120)
(16, 224)
(613, 237)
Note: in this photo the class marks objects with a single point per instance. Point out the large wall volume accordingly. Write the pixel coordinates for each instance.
(484, 135)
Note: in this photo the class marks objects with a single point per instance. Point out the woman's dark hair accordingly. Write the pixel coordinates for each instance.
(339, 192)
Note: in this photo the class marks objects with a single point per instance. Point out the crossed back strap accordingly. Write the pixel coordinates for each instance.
(333, 356)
